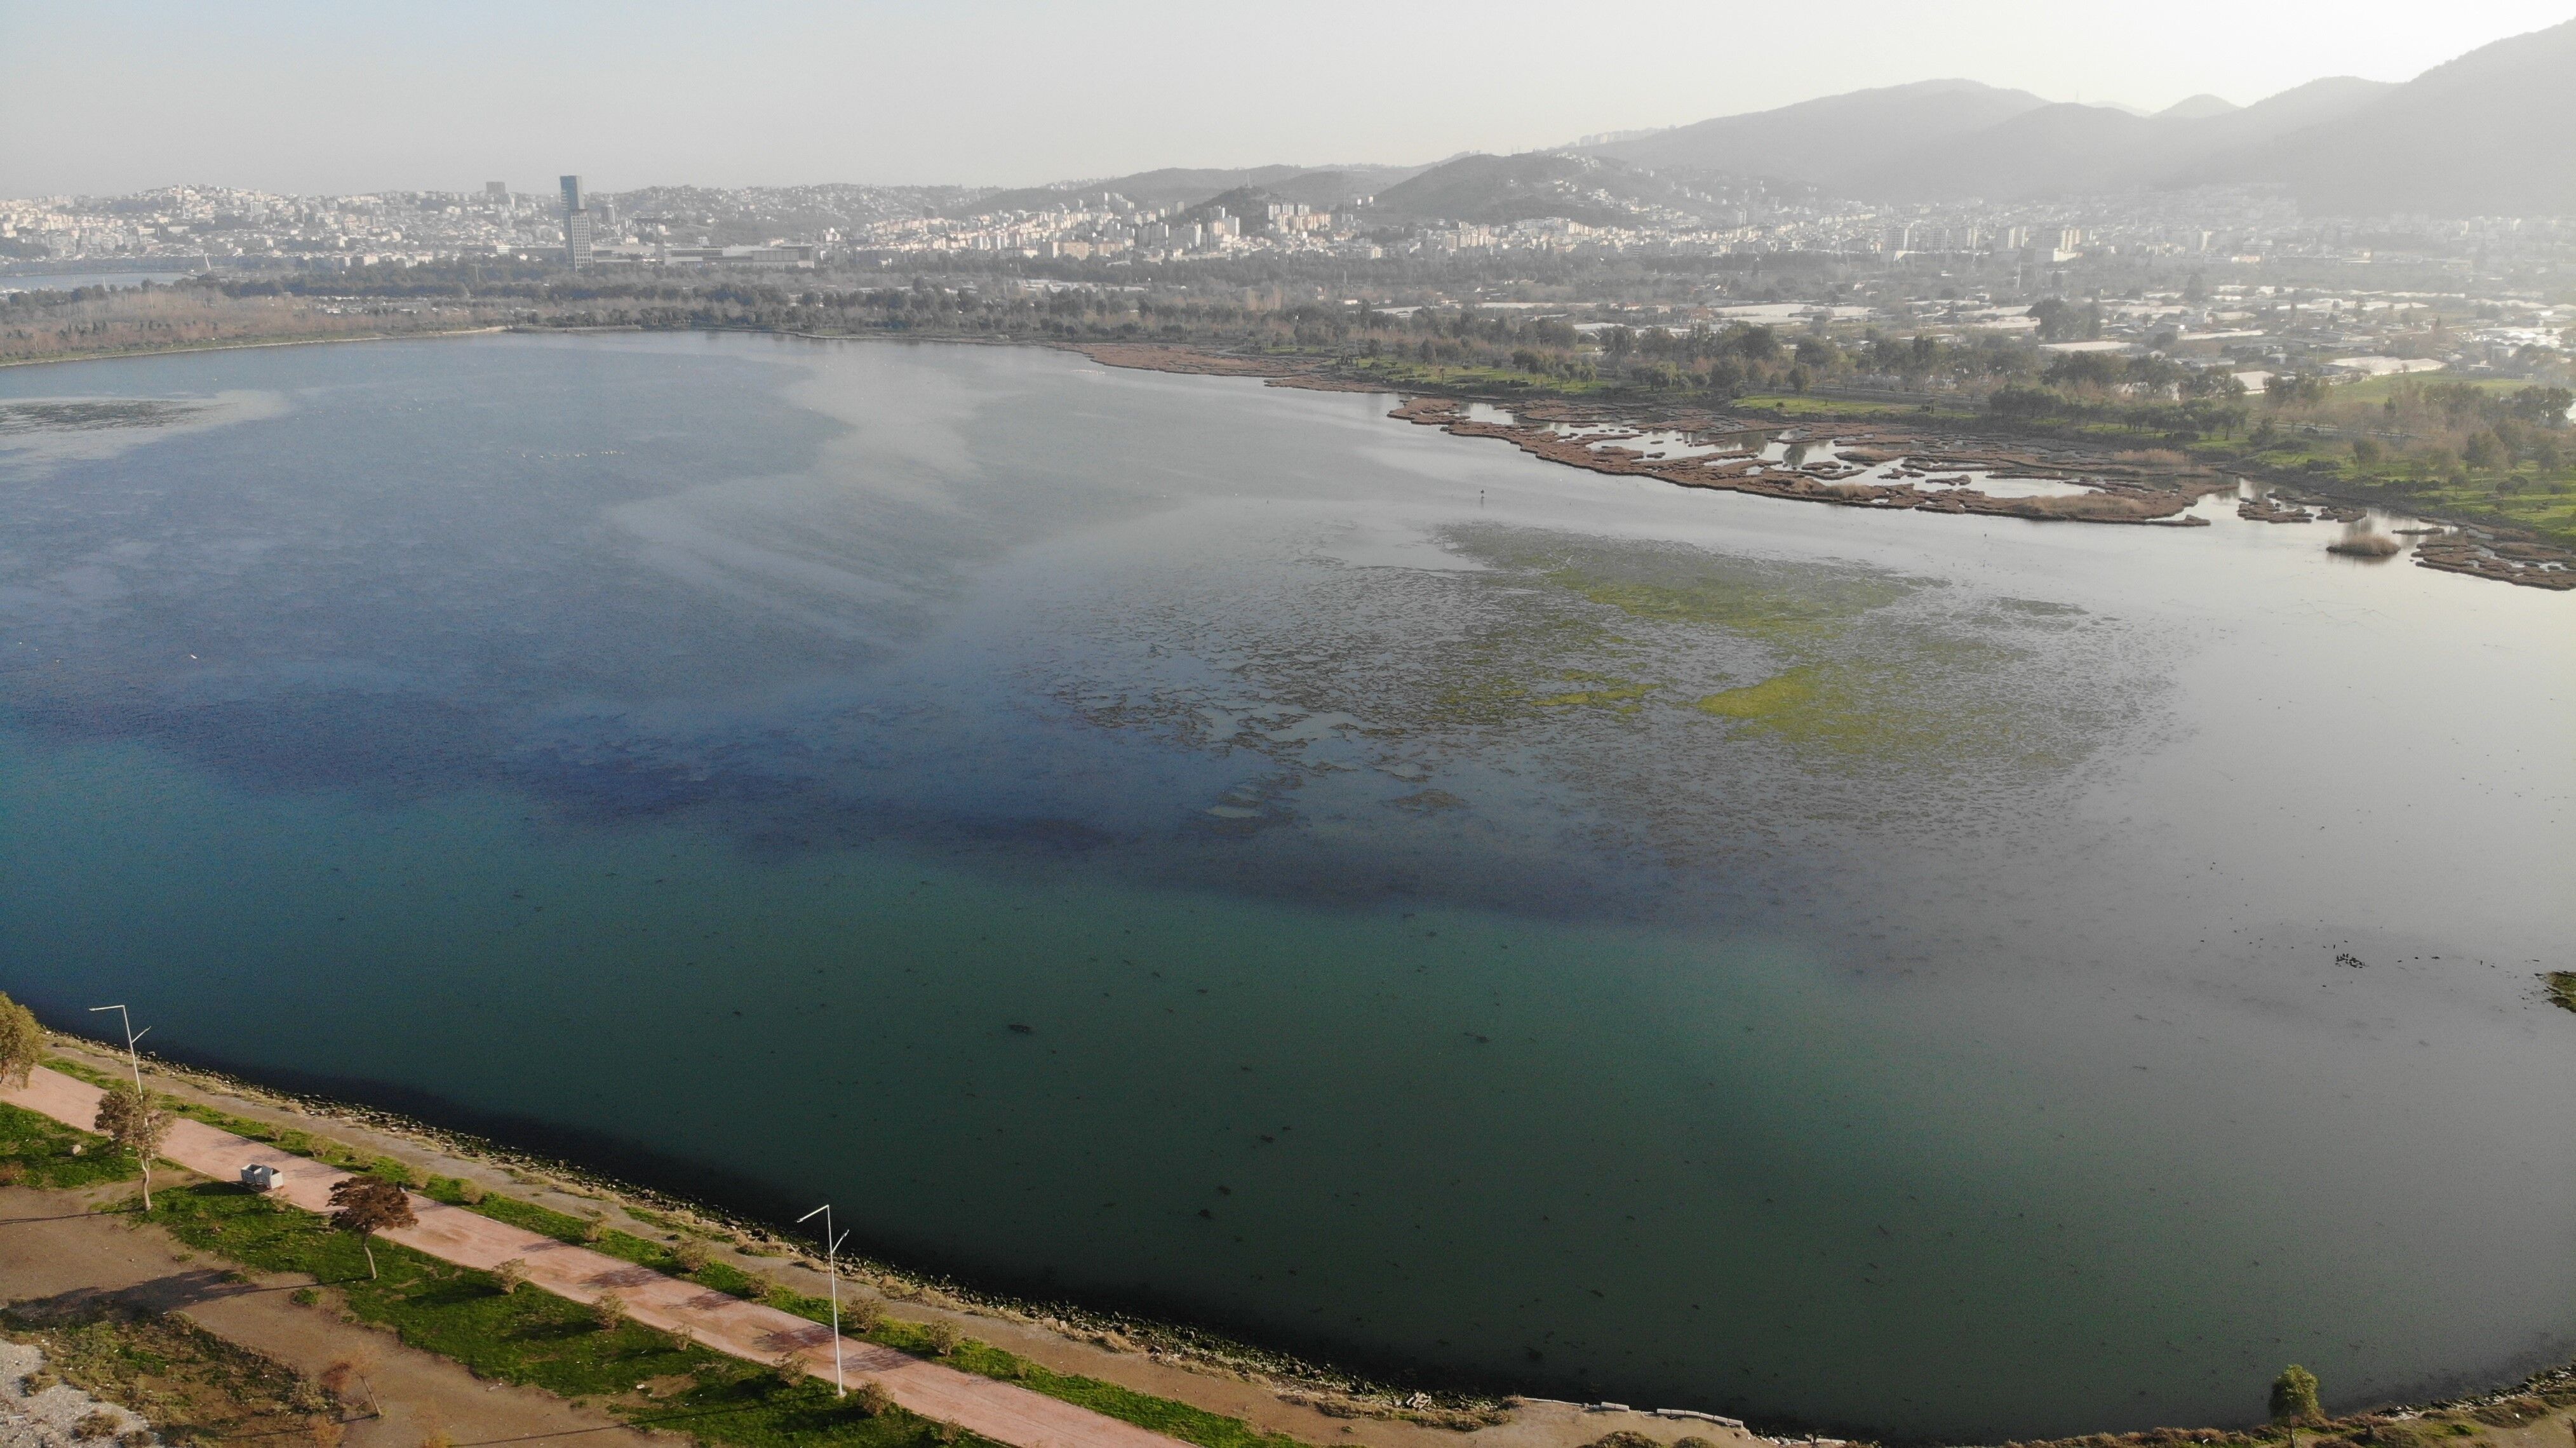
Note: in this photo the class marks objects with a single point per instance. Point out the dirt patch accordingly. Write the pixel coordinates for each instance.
(53, 1245)
(190, 1385)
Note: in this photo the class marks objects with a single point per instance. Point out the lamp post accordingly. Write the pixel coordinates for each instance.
(135, 1062)
(832, 1269)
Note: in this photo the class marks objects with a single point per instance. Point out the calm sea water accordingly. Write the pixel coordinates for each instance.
(1177, 843)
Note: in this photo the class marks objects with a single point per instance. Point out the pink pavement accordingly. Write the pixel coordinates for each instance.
(997, 1410)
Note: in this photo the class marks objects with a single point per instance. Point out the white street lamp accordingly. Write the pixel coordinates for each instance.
(136, 1063)
(832, 1269)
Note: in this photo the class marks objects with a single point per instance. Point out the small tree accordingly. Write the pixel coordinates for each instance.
(862, 1314)
(2294, 1397)
(511, 1275)
(367, 1205)
(690, 1255)
(790, 1367)
(137, 1121)
(22, 1041)
(608, 1310)
(941, 1336)
(871, 1400)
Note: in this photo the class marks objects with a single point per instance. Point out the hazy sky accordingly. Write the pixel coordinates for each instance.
(117, 95)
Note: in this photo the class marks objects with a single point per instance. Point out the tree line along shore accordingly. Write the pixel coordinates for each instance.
(598, 1357)
(2499, 454)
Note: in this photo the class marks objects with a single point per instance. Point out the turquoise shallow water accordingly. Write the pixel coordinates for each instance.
(698, 755)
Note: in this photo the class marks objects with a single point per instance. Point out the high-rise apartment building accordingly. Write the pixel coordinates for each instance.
(576, 225)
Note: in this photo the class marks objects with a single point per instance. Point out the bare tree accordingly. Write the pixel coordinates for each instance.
(337, 1378)
(137, 1121)
(22, 1042)
(367, 1205)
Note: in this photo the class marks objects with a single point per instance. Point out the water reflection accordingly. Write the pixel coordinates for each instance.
(1612, 939)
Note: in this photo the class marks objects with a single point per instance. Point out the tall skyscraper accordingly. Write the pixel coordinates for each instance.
(576, 225)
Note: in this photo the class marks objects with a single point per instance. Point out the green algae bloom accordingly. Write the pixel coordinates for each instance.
(1763, 700)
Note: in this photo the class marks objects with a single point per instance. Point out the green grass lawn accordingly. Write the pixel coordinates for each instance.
(537, 1338)
(2523, 499)
(1799, 405)
(1162, 1415)
(1400, 374)
(37, 1151)
(531, 1336)
(2377, 389)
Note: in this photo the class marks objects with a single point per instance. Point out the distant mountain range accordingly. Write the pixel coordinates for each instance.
(2491, 133)
(1534, 184)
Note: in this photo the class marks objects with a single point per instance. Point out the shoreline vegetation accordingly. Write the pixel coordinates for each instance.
(245, 344)
(589, 1358)
(2491, 462)
(2120, 483)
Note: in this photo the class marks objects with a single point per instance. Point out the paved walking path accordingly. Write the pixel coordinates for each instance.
(997, 1410)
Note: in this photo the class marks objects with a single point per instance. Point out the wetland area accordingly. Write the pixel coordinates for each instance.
(1224, 851)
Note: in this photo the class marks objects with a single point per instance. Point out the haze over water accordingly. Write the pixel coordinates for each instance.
(1178, 843)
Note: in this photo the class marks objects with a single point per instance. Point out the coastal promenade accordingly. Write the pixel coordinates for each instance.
(996, 1410)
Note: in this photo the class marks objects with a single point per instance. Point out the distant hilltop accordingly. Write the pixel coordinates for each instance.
(2486, 134)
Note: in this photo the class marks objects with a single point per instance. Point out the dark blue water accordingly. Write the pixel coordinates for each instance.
(1470, 917)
